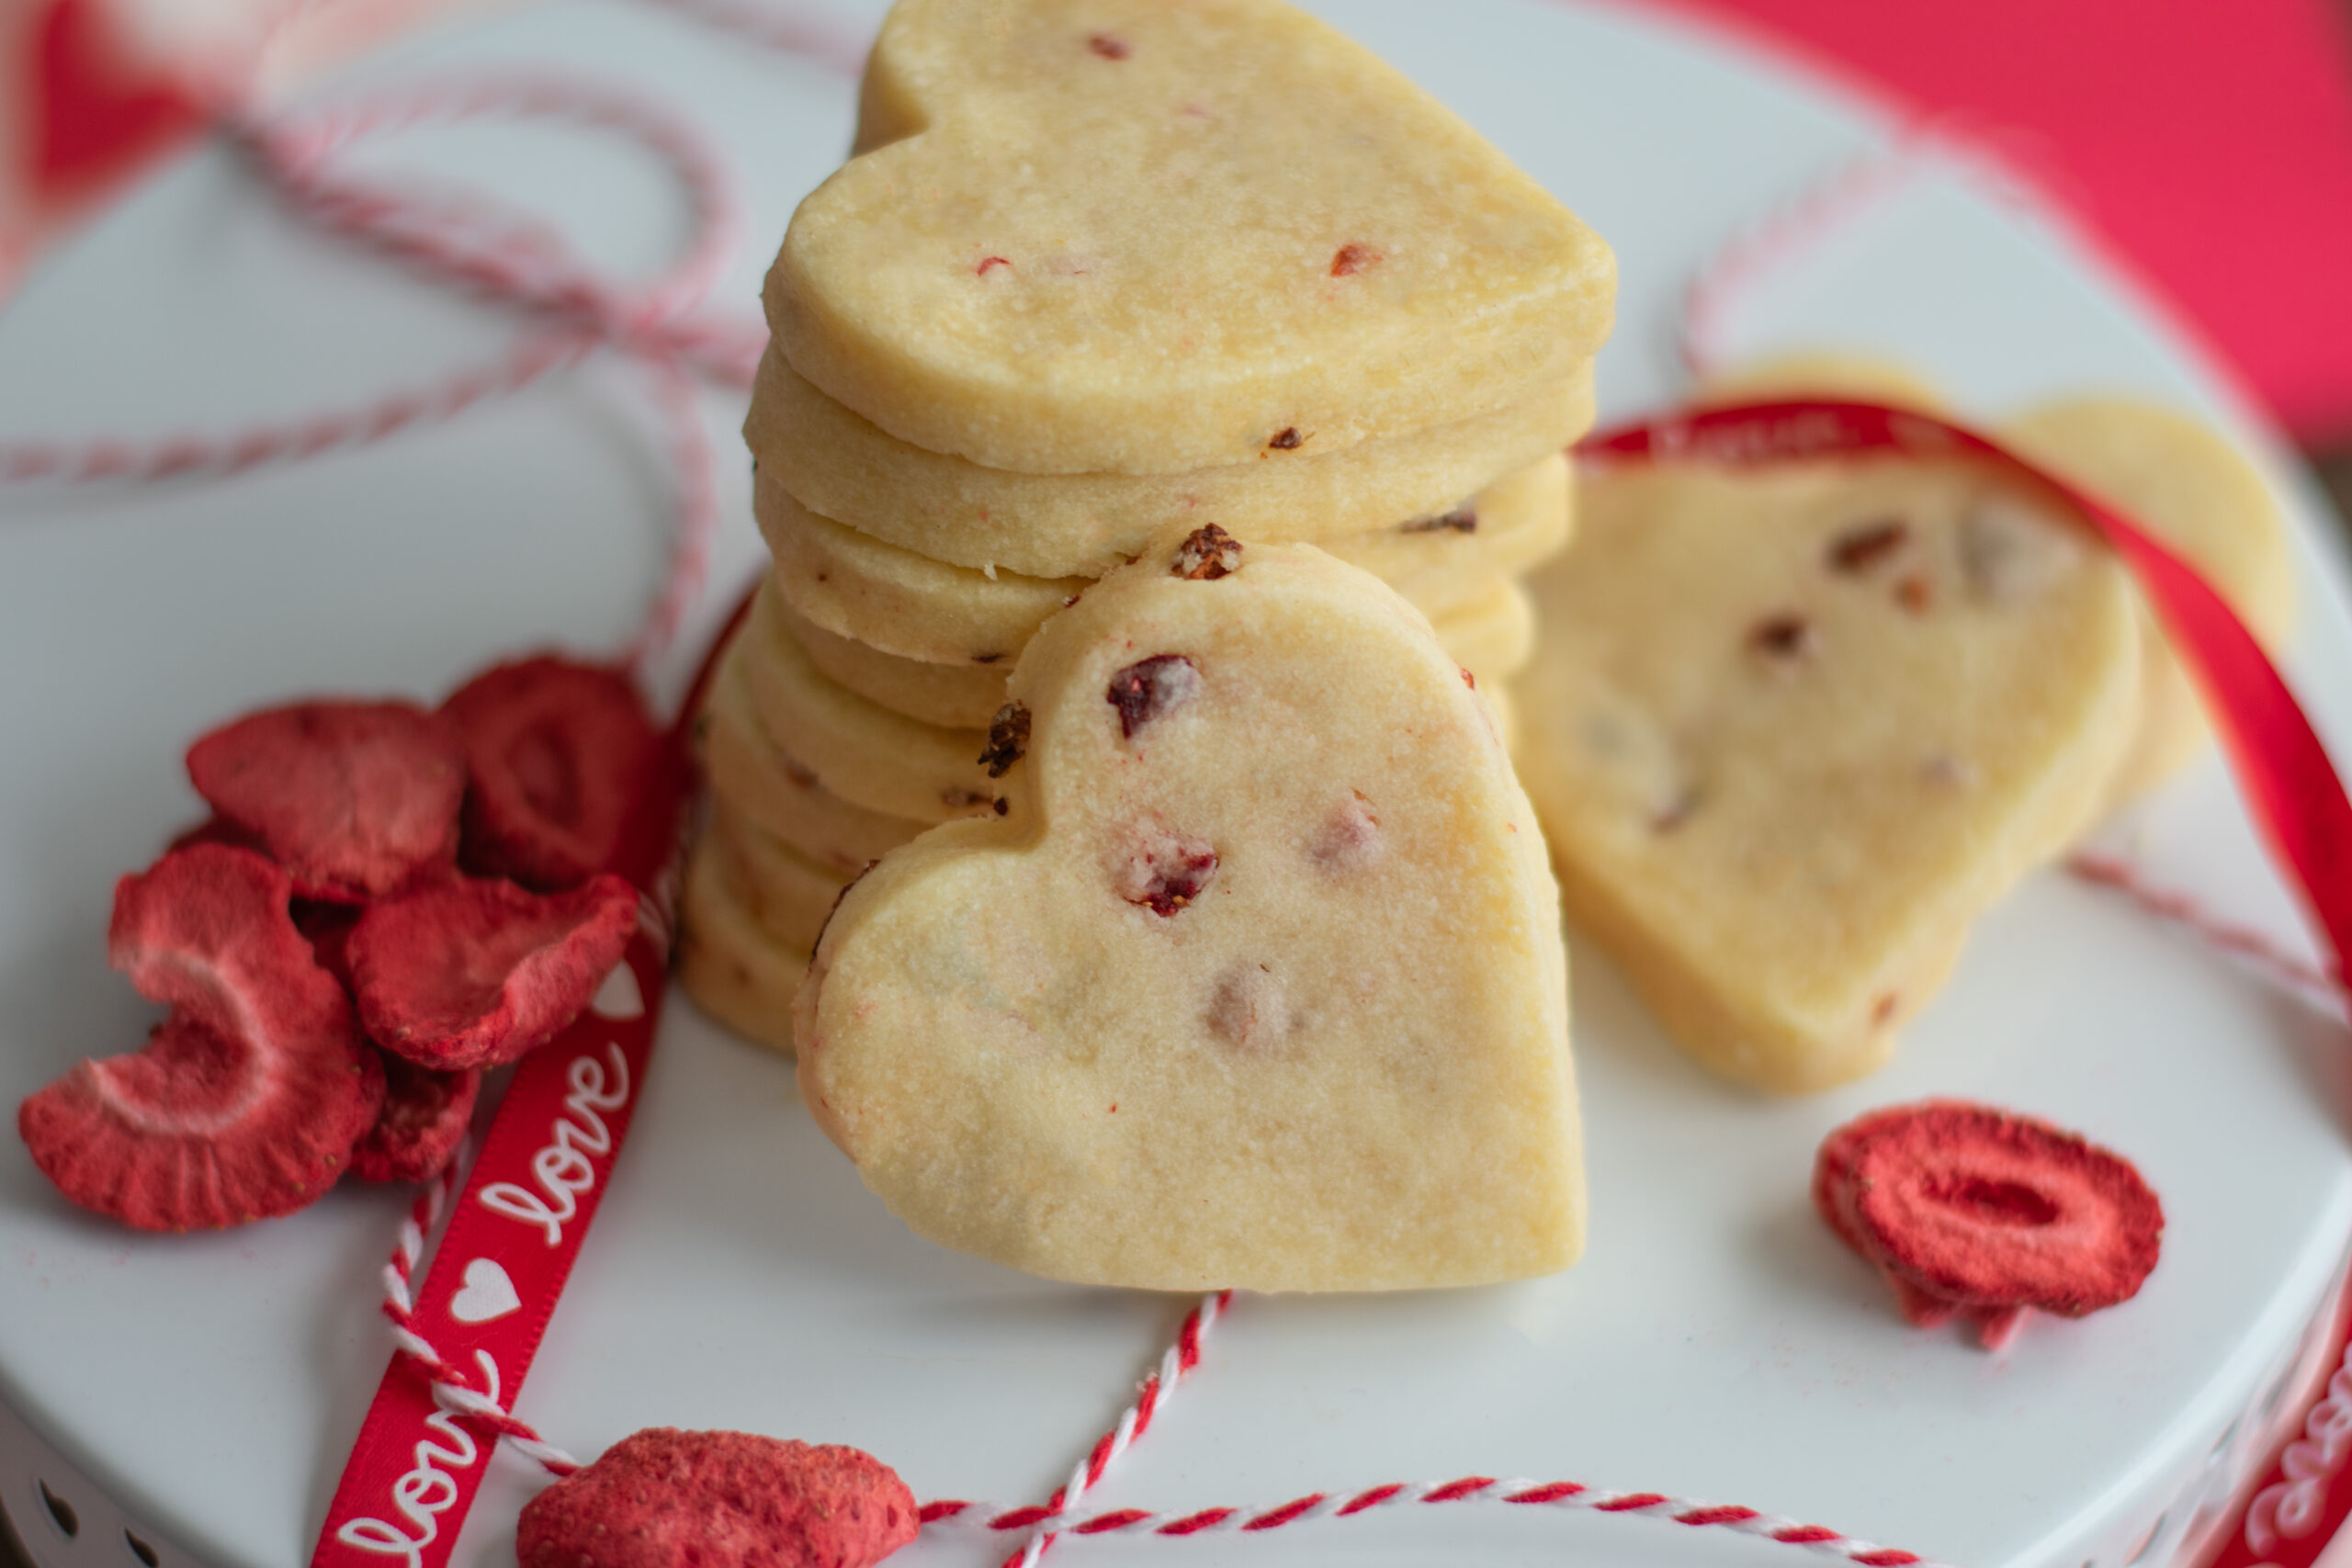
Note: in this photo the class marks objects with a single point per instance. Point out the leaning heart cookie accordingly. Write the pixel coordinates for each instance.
(1124, 236)
(1791, 730)
(1258, 982)
(2187, 485)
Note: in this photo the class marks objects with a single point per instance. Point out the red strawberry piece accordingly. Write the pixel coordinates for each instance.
(247, 1098)
(356, 800)
(327, 928)
(211, 830)
(1989, 1210)
(1968, 1209)
(1149, 687)
(471, 974)
(554, 751)
(1833, 1167)
(424, 1119)
(664, 1498)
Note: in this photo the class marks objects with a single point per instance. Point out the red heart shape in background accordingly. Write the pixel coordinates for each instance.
(94, 112)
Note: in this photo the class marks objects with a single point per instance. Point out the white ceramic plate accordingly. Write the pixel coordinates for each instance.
(1715, 1342)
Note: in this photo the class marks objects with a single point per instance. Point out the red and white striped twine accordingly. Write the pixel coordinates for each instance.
(450, 1390)
(477, 246)
(1789, 232)
(1315, 1506)
(2260, 951)
(1175, 1366)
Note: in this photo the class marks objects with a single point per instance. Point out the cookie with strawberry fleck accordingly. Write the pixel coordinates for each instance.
(943, 508)
(856, 588)
(1490, 632)
(1152, 240)
(1257, 981)
(1792, 730)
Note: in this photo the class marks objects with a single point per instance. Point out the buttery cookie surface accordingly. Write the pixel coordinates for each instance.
(1258, 982)
(1791, 730)
(1132, 237)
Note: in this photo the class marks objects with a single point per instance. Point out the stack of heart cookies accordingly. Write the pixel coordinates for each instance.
(1095, 268)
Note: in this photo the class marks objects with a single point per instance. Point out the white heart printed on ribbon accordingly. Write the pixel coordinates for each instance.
(618, 997)
(488, 1294)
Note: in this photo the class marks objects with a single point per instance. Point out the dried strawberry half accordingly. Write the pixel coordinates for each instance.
(1967, 1208)
(663, 1498)
(355, 800)
(554, 751)
(425, 1118)
(247, 1098)
(474, 973)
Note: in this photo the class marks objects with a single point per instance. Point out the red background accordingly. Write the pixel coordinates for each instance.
(2210, 141)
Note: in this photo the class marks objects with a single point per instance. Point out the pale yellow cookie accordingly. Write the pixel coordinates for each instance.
(893, 600)
(734, 971)
(1821, 373)
(766, 784)
(2196, 492)
(956, 695)
(1794, 730)
(1259, 982)
(1127, 236)
(1448, 559)
(1492, 637)
(859, 750)
(1491, 634)
(785, 894)
(947, 509)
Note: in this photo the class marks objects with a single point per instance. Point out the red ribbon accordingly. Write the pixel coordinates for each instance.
(2283, 775)
(527, 1204)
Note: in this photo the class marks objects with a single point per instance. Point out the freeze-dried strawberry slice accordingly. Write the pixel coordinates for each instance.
(471, 974)
(662, 1497)
(424, 1119)
(554, 751)
(1967, 1208)
(248, 1098)
(355, 800)
(327, 928)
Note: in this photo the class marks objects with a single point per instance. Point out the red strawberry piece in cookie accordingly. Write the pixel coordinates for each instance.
(663, 1498)
(425, 1118)
(1150, 687)
(1968, 1209)
(356, 800)
(554, 753)
(248, 1098)
(472, 973)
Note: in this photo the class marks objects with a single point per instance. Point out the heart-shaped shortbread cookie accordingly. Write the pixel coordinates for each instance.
(948, 509)
(1134, 237)
(896, 601)
(2185, 484)
(1792, 730)
(1257, 983)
